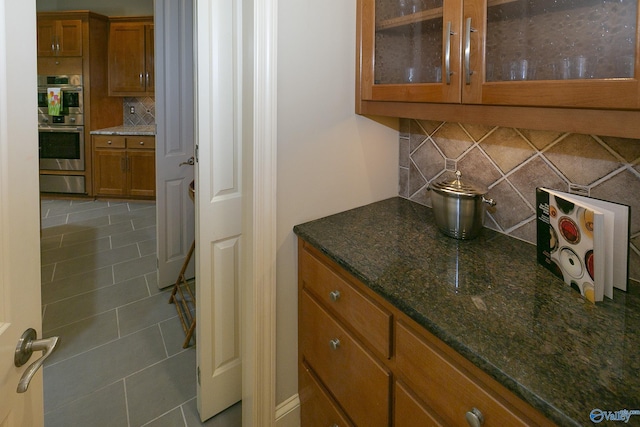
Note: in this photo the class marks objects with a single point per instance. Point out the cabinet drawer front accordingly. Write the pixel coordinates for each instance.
(408, 411)
(355, 309)
(141, 142)
(359, 383)
(447, 388)
(317, 408)
(108, 141)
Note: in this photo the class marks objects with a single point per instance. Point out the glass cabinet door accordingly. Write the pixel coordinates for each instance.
(412, 49)
(574, 53)
(560, 40)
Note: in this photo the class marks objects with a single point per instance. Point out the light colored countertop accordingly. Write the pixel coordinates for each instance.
(126, 130)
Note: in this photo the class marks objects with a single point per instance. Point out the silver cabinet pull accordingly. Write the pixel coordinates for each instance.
(141, 142)
(27, 344)
(474, 417)
(467, 51)
(334, 295)
(447, 54)
(141, 80)
(109, 142)
(334, 344)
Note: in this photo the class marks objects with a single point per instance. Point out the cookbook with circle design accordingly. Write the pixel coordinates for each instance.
(584, 241)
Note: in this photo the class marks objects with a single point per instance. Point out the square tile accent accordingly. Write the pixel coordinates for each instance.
(511, 163)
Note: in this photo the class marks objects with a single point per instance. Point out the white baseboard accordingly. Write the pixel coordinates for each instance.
(288, 412)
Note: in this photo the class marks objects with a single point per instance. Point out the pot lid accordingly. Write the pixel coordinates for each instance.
(459, 188)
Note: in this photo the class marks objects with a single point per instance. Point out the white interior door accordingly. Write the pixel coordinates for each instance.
(219, 194)
(19, 210)
(174, 136)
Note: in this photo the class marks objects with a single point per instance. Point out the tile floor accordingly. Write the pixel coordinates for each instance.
(120, 360)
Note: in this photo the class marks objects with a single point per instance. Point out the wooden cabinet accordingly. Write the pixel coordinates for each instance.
(567, 57)
(124, 166)
(131, 56)
(59, 37)
(353, 373)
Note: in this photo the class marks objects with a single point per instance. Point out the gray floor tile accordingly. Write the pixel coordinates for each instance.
(46, 273)
(144, 221)
(97, 260)
(52, 242)
(172, 418)
(161, 387)
(77, 284)
(62, 208)
(152, 282)
(96, 213)
(173, 335)
(230, 417)
(52, 222)
(145, 312)
(148, 247)
(135, 236)
(73, 251)
(87, 372)
(93, 233)
(83, 306)
(57, 229)
(84, 335)
(135, 267)
(103, 408)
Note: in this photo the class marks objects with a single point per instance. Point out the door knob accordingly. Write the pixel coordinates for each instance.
(190, 161)
(27, 344)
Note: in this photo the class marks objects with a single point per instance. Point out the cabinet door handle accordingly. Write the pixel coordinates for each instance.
(474, 417)
(447, 53)
(467, 51)
(334, 295)
(334, 344)
(141, 80)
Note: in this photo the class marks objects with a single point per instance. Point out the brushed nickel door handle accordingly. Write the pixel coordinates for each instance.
(27, 344)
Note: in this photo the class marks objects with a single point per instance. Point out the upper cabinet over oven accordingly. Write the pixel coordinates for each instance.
(131, 55)
(538, 53)
(59, 37)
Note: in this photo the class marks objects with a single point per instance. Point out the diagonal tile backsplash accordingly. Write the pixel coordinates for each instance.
(513, 162)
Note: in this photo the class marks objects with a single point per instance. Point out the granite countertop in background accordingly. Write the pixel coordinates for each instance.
(127, 130)
(489, 300)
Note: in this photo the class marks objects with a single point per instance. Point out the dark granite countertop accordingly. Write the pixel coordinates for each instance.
(489, 300)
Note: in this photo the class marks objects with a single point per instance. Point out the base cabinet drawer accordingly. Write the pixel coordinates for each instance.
(356, 310)
(448, 389)
(409, 411)
(317, 409)
(359, 383)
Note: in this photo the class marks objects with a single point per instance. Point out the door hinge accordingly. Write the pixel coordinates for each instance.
(198, 375)
(197, 152)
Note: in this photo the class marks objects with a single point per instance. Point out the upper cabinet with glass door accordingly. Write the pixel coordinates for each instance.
(550, 53)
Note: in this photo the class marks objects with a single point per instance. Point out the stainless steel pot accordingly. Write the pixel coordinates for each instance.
(459, 207)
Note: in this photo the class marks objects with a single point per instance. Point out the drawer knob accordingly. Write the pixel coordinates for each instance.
(334, 295)
(109, 142)
(141, 142)
(475, 417)
(334, 344)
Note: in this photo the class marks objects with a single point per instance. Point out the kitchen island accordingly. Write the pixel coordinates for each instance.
(490, 301)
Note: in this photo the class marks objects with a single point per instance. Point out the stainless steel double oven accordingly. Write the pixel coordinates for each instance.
(61, 135)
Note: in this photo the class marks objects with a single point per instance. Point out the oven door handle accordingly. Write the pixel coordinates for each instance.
(78, 129)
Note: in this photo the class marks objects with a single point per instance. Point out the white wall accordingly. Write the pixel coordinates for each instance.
(108, 8)
(329, 159)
